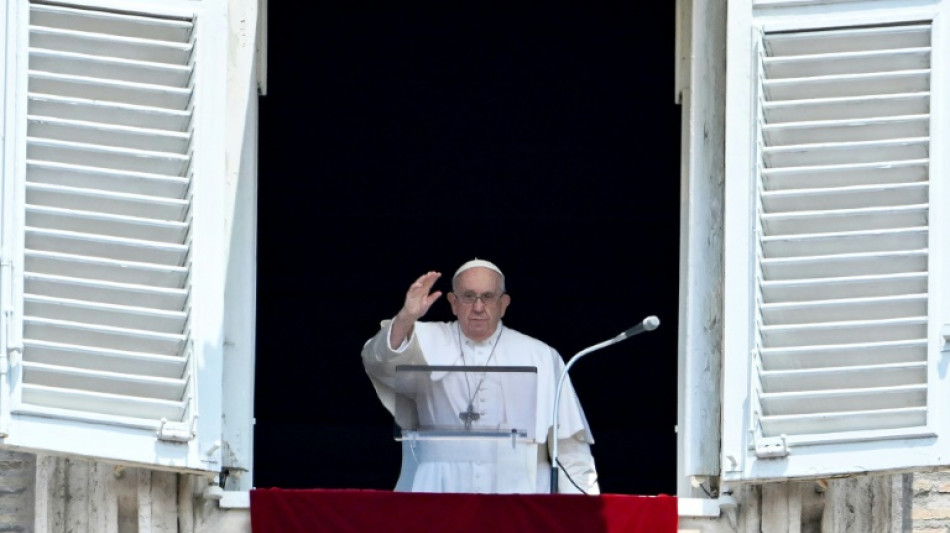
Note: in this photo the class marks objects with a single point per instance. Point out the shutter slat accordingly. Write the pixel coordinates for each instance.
(91, 222)
(106, 291)
(886, 240)
(105, 45)
(851, 39)
(811, 177)
(806, 289)
(107, 135)
(845, 354)
(104, 246)
(841, 63)
(95, 313)
(845, 264)
(848, 85)
(69, 400)
(843, 400)
(823, 333)
(865, 376)
(85, 110)
(126, 362)
(845, 421)
(142, 94)
(847, 108)
(852, 197)
(77, 177)
(107, 157)
(846, 152)
(67, 61)
(850, 130)
(146, 27)
(136, 206)
(842, 310)
(62, 266)
(104, 382)
(98, 336)
(845, 220)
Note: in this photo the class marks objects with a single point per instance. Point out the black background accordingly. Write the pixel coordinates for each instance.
(405, 137)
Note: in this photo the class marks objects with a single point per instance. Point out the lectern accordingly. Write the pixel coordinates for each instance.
(451, 419)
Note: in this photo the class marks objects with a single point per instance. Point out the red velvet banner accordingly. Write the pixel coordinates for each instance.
(354, 511)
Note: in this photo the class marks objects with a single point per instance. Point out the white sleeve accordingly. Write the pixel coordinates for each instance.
(578, 465)
(380, 360)
(379, 356)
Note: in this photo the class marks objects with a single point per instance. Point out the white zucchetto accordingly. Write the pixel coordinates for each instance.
(478, 263)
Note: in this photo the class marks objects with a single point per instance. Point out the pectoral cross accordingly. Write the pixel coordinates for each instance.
(468, 416)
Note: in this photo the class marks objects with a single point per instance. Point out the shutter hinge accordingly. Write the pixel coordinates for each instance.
(771, 447)
(14, 346)
(175, 431)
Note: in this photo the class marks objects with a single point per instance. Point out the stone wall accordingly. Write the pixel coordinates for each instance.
(930, 496)
(17, 484)
(860, 504)
(47, 494)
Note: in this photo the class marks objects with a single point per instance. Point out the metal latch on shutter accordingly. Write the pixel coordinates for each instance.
(175, 431)
(771, 447)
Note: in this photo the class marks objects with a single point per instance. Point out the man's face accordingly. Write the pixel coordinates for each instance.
(479, 318)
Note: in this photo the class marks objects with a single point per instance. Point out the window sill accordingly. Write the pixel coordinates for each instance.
(687, 507)
(699, 507)
(235, 499)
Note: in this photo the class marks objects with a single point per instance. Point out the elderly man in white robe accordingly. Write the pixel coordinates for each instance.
(479, 338)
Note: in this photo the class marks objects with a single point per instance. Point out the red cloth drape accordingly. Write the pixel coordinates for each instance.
(354, 511)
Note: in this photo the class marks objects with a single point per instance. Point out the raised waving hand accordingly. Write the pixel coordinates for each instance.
(419, 298)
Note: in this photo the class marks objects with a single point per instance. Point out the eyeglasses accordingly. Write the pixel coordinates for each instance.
(469, 298)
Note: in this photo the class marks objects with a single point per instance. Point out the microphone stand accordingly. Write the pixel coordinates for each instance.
(648, 324)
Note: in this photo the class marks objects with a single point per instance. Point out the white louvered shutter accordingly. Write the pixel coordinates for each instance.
(840, 368)
(843, 231)
(108, 214)
(108, 223)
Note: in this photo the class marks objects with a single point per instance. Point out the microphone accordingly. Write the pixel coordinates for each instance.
(649, 323)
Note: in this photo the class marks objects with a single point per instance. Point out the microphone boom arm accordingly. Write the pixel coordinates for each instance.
(649, 324)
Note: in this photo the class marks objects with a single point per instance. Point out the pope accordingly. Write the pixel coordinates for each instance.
(479, 339)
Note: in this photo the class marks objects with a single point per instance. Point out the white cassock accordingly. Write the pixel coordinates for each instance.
(486, 467)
